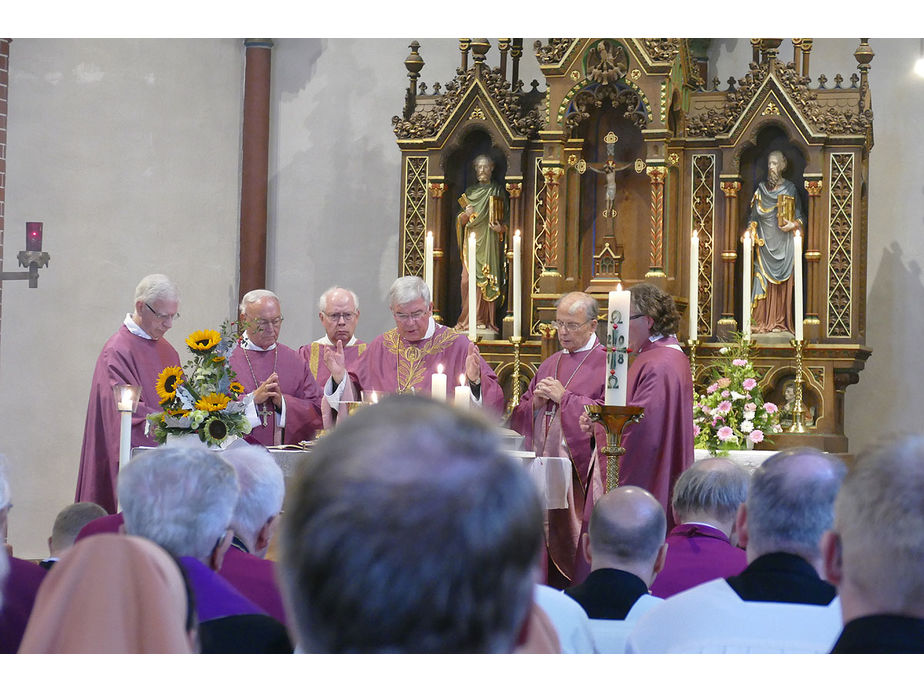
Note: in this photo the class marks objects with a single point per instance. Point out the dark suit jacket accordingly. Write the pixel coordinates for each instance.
(882, 634)
(608, 593)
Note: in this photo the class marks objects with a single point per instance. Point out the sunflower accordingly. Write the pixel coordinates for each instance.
(236, 387)
(214, 401)
(203, 340)
(218, 359)
(167, 382)
(177, 413)
(214, 431)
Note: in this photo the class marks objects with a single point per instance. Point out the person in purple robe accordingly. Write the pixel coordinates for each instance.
(548, 416)
(339, 315)
(405, 358)
(705, 503)
(285, 394)
(134, 355)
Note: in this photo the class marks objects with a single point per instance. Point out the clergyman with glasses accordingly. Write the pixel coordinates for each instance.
(548, 415)
(134, 355)
(286, 397)
(405, 358)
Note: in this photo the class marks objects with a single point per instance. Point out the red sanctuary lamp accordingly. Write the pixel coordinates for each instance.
(32, 257)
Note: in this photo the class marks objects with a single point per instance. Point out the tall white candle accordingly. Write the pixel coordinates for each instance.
(463, 394)
(746, 285)
(428, 262)
(694, 284)
(797, 288)
(517, 284)
(438, 384)
(617, 340)
(472, 288)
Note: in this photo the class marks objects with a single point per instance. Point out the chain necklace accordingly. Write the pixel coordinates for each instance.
(264, 410)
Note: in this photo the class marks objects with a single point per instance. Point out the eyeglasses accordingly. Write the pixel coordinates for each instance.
(337, 317)
(413, 317)
(569, 326)
(637, 315)
(263, 324)
(162, 316)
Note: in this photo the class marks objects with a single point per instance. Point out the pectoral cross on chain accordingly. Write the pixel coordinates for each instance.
(264, 413)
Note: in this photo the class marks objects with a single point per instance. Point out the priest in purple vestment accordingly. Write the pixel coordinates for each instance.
(135, 355)
(548, 416)
(405, 358)
(285, 394)
(660, 446)
(339, 314)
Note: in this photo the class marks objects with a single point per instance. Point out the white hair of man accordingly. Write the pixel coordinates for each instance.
(879, 515)
(257, 294)
(156, 287)
(181, 498)
(711, 489)
(262, 492)
(322, 303)
(790, 502)
(68, 523)
(580, 301)
(406, 289)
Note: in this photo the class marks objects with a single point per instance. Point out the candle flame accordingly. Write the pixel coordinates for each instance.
(517, 233)
(375, 397)
(429, 234)
(439, 369)
(619, 286)
(462, 379)
(695, 235)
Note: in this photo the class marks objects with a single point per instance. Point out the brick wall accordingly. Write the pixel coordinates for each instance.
(4, 90)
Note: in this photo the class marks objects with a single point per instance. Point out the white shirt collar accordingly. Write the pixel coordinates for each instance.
(590, 345)
(247, 344)
(326, 340)
(134, 328)
(431, 328)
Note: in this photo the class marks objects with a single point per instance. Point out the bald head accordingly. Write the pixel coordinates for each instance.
(627, 529)
(791, 502)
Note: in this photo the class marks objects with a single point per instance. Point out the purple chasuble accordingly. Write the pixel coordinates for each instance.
(255, 578)
(125, 359)
(301, 392)
(314, 356)
(392, 365)
(582, 374)
(696, 554)
(22, 585)
(660, 446)
(215, 596)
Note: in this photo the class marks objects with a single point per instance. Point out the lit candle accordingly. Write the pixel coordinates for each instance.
(463, 394)
(428, 262)
(746, 285)
(472, 288)
(797, 288)
(126, 400)
(694, 285)
(517, 270)
(617, 340)
(438, 384)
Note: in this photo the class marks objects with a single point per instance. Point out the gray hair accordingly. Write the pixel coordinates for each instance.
(70, 521)
(262, 489)
(790, 502)
(410, 531)
(322, 303)
(581, 300)
(879, 515)
(628, 525)
(713, 487)
(484, 157)
(179, 497)
(254, 296)
(783, 160)
(406, 289)
(156, 287)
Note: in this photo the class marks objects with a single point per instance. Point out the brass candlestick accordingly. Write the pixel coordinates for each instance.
(693, 344)
(613, 418)
(515, 400)
(798, 409)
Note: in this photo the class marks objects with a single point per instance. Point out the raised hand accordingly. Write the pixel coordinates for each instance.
(335, 362)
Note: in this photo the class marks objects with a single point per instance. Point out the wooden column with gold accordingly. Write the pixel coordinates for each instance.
(727, 322)
(551, 241)
(814, 185)
(656, 174)
(514, 188)
(437, 224)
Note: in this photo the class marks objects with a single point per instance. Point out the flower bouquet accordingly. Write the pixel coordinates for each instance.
(208, 401)
(732, 414)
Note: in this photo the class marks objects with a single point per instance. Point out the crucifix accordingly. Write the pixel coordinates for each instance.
(264, 413)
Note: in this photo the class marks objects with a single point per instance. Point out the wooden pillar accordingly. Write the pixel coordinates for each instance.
(551, 242)
(437, 224)
(727, 323)
(813, 218)
(656, 175)
(255, 165)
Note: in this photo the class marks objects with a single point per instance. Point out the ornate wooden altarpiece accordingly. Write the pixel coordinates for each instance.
(613, 164)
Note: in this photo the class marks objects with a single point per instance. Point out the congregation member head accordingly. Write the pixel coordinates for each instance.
(261, 314)
(68, 524)
(410, 531)
(256, 514)
(181, 498)
(339, 314)
(705, 503)
(157, 302)
(408, 299)
(875, 552)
